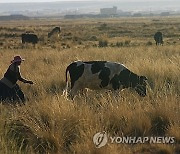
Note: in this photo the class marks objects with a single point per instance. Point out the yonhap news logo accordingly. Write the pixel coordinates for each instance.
(100, 139)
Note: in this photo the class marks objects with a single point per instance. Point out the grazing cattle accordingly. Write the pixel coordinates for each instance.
(29, 38)
(55, 30)
(103, 75)
(158, 37)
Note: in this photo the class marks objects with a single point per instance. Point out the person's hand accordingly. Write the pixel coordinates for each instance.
(30, 82)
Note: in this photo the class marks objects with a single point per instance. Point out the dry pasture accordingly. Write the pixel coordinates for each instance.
(49, 123)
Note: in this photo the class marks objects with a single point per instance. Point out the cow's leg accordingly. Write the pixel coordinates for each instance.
(74, 91)
(34, 45)
(65, 91)
(83, 92)
(23, 45)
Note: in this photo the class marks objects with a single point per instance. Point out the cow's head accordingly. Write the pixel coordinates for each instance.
(140, 87)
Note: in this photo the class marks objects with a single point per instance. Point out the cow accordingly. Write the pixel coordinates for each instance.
(102, 75)
(158, 37)
(29, 38)
(55, 30)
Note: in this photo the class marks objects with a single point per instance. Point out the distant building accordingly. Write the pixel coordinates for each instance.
(109, 11)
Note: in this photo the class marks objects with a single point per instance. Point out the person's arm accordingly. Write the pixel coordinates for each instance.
(22, 79)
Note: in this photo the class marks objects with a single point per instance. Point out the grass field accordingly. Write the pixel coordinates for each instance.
(49, 123)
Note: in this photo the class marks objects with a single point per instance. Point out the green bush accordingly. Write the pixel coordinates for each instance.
(119, 44)
(103, 43)
(127, 42)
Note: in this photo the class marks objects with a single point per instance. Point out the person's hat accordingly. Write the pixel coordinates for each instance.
(17, 59)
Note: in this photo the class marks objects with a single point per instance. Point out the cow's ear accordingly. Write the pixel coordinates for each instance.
(143, 78)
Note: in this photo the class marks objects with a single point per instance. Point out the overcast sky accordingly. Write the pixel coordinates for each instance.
(19, 1)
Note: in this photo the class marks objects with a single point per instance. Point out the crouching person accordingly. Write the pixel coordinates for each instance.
(9, 89)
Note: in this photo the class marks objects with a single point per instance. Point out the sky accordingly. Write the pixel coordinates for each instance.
(20, 1)
(24, 1)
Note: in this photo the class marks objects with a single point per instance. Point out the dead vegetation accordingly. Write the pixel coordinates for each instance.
(49, 123)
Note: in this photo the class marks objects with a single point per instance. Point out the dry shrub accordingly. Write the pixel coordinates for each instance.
(103, 43)
(48, 123)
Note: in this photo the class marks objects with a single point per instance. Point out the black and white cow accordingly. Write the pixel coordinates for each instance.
(102, 75)
(54, 31)
(158, 37)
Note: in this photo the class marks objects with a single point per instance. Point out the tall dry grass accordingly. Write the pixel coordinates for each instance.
(49, 123)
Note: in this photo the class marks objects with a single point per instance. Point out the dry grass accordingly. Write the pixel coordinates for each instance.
(49, 123)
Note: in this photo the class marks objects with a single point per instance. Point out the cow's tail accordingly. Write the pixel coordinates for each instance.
(65, 91)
